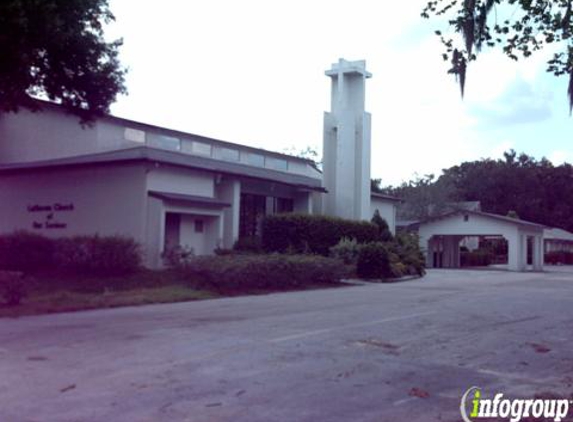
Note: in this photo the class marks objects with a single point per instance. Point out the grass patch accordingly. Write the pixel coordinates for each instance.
(50, 292)
(70, 301)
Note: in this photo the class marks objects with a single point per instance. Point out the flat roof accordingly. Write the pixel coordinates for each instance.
(498, 217)
(558, 234)
(384, 196)
(145, 153)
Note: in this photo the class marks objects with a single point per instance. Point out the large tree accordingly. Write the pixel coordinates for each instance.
(535, 190)
(55, 49)
(518, 27)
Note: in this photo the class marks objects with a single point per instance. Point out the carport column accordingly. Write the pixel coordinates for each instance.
(426, 246)
(538, 253)
(523, 254)
(514, 250)
(457, 256)
(230, 191)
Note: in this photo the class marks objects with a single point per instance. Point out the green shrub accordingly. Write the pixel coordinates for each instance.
(95, 255)
(402, 253)
(25, 251)
(12, 287)
(262, 272)
(250, 244)
(92, 255)
(312, 233)
(384, 233)
(178, 255)
(346, 250)
(373, 261)
(559, 257)
(407, 247)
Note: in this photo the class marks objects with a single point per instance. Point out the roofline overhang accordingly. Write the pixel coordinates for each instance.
(147, 154)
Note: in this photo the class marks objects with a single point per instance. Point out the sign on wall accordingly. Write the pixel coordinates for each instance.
(49, 216)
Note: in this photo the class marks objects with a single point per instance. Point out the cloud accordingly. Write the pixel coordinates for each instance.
(559, 157)
(498, 149)
(520, 103)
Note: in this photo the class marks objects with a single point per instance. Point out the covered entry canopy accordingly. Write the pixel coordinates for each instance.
(442, 235)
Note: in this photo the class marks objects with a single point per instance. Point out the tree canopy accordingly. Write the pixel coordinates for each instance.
(56, 49)
(518, 27)
(534, 190)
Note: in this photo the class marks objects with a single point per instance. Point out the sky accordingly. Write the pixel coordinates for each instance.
(252, 72)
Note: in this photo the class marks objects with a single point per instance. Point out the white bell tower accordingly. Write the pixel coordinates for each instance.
(346, 147)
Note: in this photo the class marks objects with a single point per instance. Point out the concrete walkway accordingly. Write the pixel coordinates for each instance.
(396, 352)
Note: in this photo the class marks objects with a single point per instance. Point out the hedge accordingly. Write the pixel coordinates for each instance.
(312, 233)
(24, 251)
(559, 257)
(477, 258)
(89, 255)
(252, 272)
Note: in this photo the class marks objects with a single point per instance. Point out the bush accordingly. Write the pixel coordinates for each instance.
(176, 256)
(384, 232)
(346, 250)
(373, 261)
(407, 247)
(403, 254)
(559, 257)
(253, 272)
(95, 255)
(312, 233)
(477, 258)
(248, 244)
(25, 251)
(12, 287)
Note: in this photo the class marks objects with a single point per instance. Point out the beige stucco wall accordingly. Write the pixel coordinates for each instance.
(48, 134)
(105, 200)
(165, 178)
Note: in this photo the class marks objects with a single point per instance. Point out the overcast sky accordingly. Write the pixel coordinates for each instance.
(252, 72)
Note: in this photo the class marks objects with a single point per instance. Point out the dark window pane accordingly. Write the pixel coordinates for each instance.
(253, 209)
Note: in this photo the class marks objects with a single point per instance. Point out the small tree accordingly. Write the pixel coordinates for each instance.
(383, 229)
(513, 214)
(56, 49)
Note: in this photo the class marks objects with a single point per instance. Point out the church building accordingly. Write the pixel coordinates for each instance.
(166, 188)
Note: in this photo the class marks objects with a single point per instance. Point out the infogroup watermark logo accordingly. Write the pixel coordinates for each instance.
(474, 406)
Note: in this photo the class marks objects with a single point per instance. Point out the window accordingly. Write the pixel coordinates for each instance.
(229, 154)
(281, 205)
(165, 142)
(277, 164)
(466, 217)
(172, 231)
(253, 209)
(134, 135)
(201, 148)
(256, 159)
(199, 226)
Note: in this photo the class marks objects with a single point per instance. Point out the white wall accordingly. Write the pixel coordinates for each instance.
(106, 200)
(476, 225)
(346, 144)
(165, 178)
(202, 243)
(48, 134)
(229, 190)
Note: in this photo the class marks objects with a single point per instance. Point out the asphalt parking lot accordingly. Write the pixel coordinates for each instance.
(382, 352)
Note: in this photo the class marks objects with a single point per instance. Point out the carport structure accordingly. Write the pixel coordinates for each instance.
(440, 238)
